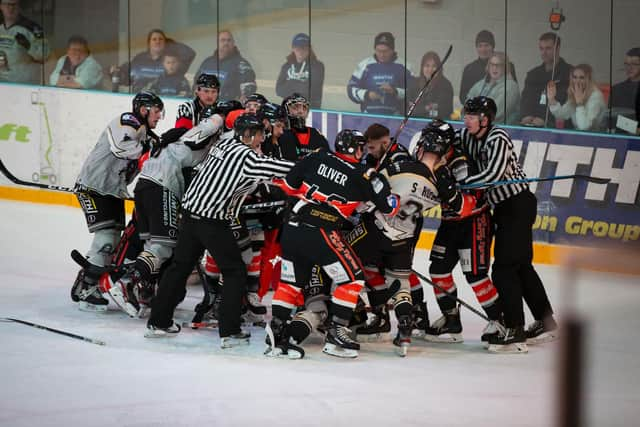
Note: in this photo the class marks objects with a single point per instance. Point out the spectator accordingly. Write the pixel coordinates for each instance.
(147, 66)
(23, 43)
(77, 69)
(173, 81)
(498, 84)
(533, 104)
(585, 103)
(438, 102)
(476, 70)
(236, 75)
(302, 73)
(4, 67)
(623, 94)
(379, 81)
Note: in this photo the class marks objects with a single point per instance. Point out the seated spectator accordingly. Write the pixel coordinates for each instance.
(379, 81)
(623, 94)
(585, 103)
(438, 102)
(237, 78)
(23, 43)
(476, 70)
(147, 66)
(533, 104)
(499, 85)
(302, 73)
(78, 69)
(4, 67)
(173, 81)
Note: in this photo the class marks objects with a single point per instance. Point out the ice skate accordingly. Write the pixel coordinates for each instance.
(540, 331)
(493, 329)
(157, 332)
(121, 293)
(447, 329)
(402, 341)
(279, 344)
(235, 340)
(90, 299)
(419, 320)
(513, 341)
(377, 326)
(339, 343)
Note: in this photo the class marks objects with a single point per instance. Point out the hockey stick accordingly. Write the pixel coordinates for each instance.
(55, 331)
(19, 181)
(441, 289)
(262, 207)
(588, 178)
(414, 104)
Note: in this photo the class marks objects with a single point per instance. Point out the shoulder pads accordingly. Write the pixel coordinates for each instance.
(128, 119)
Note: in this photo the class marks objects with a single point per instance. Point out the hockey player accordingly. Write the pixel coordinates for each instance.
(390, 241)
(463, 237)
(300, 139)
(330, 187)
(253, 103)
(207, 88)
(101, 187)
(160, 187)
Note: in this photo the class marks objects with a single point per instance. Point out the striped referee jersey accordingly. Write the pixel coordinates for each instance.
(230, 171)
(496, 160)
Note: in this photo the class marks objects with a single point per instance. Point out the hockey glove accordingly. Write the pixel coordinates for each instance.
(445, 184)
(459, 167)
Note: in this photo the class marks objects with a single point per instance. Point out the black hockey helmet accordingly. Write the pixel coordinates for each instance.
(225, 107)
(436, 137)
(146, 99)
(208, 80)
(274, 112)
(296, 122)
(348, 141)
(482, 106)
(256, 97)
(246, 122)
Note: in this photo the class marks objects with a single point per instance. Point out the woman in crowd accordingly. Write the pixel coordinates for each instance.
(77, 69)
(438, 102)
(501, 86)
(585, 104)
(147, 66)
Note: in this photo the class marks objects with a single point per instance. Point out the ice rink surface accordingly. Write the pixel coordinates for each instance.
(53, 380)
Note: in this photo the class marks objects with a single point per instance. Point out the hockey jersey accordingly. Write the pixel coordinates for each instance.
(166, 169)
(113, 162)
(294, 144)
(331, 188)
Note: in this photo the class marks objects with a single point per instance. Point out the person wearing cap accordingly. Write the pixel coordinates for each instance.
(476, 70)
(378, 83)
(302, 72)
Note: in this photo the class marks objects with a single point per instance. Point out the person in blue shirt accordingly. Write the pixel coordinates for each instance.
(378, 83)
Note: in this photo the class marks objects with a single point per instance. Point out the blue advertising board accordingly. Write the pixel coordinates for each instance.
(571, 211)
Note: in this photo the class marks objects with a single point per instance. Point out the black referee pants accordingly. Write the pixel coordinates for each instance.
(196, 235)
(512, 272)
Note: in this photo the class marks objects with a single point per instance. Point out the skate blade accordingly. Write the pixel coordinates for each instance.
(417, 333)
(233, 342)
(543, 338)
(118, 298)
(379, 337)
(334, 350)
(91, 308)
(444, 338)
(514, 348)
(159, 334)
(291, 354)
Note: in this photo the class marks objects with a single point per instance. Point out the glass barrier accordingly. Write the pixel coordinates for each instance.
(327, 49)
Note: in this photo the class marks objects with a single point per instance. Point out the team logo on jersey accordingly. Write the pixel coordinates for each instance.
(287, 272)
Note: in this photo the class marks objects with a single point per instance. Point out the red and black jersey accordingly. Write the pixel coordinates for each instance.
(294, 144)
(331, 188)
(189, 113)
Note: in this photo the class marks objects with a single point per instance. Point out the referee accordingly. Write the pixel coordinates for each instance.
(231, 170)
(514, 212)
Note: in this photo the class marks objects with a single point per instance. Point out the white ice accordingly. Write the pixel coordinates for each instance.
(51, 380)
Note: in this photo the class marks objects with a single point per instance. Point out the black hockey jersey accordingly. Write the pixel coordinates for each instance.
(294, 144)
(331, 188)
